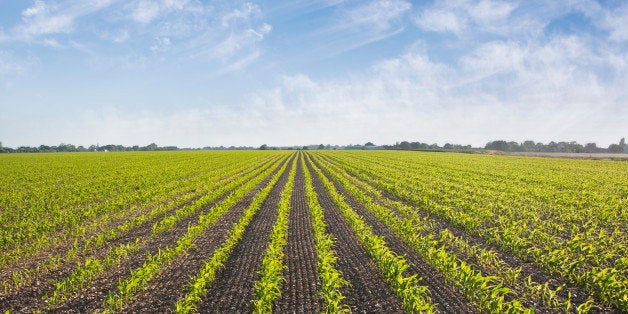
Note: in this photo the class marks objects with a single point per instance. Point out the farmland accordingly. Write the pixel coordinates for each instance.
(318, 231)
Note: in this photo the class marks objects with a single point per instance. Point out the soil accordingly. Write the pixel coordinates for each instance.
(368, 292)
(59, 249)
(90, 298)
(233, 288)
(300, 288)
(578, 296)
(446, 298)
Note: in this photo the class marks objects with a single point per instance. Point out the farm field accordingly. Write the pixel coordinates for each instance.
(312, 231)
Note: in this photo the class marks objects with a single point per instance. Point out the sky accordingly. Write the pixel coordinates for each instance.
(197, 73)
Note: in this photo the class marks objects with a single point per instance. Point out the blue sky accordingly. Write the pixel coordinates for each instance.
(208, 73)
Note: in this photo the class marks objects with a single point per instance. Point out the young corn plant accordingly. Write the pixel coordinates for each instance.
(154, 263)
(331, 279)
(268, 287)
(198, 286)
(414, 297)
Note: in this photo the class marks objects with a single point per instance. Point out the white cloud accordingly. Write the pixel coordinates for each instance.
(362, 24)
(243, 13)
(541, 91)
(53, 43)
(45, 18)
(12, 65)
(119, 36)
(160, 44)
(615, 20)
(491, 11)
(38, 8)
(145, 11)
(376, 15)
(441, 21)
(457, 16)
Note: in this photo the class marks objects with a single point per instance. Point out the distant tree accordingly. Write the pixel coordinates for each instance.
(614, 148)
(622, 142)
(369, 144)
(448, 146)
(305, 148)
(591, 148)
(404, 145)
(528, 146)
(152, 146)
(497, 145)
(263, 147)
(321, 146)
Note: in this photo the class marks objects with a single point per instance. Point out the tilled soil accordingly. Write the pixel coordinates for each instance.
(169, 285)
(368, 291)
(33, 296)
(446, 297)
(90, 298)
(47, 278)
(233, 288)
(299, 290)
(61, 247)
(528, 268)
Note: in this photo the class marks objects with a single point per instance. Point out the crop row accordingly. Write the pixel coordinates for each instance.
(408, 225)
(516, 228)
(92, 267)
(160, 207)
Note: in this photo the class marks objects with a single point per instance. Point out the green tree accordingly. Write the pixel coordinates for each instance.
(263, 147)
(369, 144)
(591, 148)
(614, 148)
(321, 146)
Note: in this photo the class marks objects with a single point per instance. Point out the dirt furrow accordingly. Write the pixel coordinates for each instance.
(48, 277)
(528, 268)
(447, 298)
(299, 290)
(368, 291)
(233, 289)
(167, 287)
(90, 298)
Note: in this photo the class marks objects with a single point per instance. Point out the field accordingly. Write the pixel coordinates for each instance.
(317, 231)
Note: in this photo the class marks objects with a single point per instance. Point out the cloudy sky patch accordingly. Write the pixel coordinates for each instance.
(198, 73)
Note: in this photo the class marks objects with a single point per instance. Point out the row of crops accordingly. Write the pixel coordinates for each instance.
(413, 232)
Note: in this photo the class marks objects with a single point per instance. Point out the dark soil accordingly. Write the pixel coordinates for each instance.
(299, 291)
(368, 291)
(446, 298)
(528, 268)
(233, 288)
(90, 298)
(44, 276)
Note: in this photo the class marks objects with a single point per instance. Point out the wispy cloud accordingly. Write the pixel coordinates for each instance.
(14, 66)
(375, 16)
(362, 24)
(44, 18)
(239, 14)
(457, 16)
(543, 91)
(146, 11)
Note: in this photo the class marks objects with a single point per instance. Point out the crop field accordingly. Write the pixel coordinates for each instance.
(312, 231)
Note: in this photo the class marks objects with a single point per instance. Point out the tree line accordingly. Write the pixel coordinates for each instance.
(555, 147)
(500, 145)
(93, 148)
